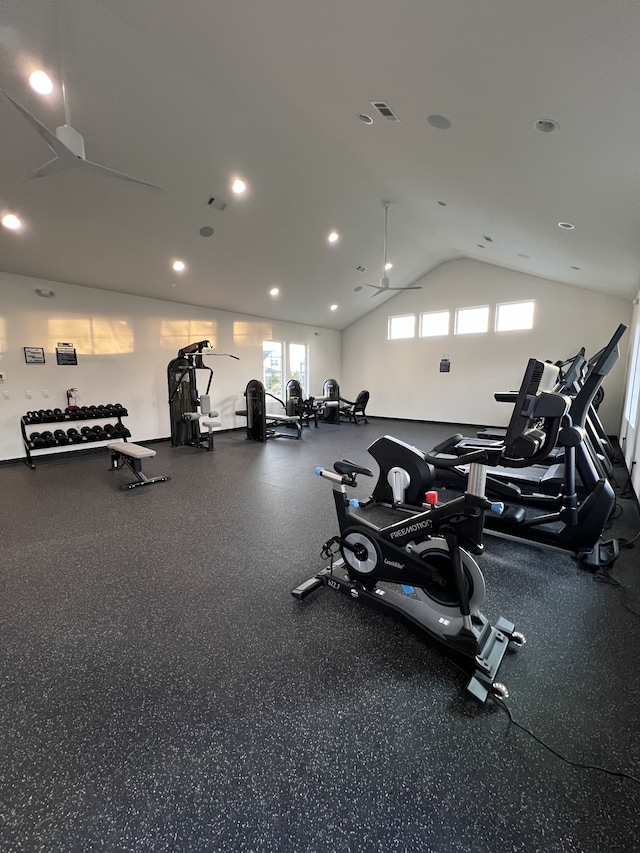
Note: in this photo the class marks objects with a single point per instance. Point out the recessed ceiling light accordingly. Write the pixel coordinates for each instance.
(179, 266)
(576, 268)
(333, 237)
(274, 291)
(438, 121)
(333, 307)
(11, 221)
(206, 231)
(388, 266)
(442, 203)
(46, 294)
(522, 255)
(566, 225)
(546, 125)
(238, 186)
(480, 246)
(365, 119)
(41, 82)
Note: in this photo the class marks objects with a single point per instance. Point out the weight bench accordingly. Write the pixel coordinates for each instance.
(124, 453)
(292, 421)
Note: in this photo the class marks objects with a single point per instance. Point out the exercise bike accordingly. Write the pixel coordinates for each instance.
(421, 567)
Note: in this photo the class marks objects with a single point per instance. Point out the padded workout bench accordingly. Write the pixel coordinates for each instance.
(123, 453)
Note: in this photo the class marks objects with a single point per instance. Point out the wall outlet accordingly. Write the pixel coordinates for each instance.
(45, 394)
(28, 395)
(1, 376)
(6, 395)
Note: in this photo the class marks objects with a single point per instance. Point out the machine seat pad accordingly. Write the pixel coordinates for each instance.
(135, 451)
(283, 418)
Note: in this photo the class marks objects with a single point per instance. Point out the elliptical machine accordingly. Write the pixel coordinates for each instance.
(540, 421)
(189, 410)
(422, 568)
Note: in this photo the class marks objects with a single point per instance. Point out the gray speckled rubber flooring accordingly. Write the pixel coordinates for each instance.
(161, 690)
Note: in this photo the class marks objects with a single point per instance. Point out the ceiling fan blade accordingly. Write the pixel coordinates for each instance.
(50, 138)
(409, 287)
(112, 173)
(66, 158)
(58, 164)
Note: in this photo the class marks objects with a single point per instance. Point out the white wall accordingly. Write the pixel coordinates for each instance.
(403, 376)
(124, 345)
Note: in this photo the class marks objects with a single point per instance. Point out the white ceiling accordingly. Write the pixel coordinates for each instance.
(189, 94)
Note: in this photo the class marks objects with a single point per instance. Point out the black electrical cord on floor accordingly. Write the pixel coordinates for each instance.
(619, 773)
(603, 576)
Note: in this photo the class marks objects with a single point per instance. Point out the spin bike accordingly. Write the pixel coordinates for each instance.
(422, 568)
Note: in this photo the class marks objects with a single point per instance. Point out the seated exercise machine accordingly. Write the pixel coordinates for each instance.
(190, 411)
(124, 453)
(329, 402)
(422, 569)
(297, 405)
(262, 425)
(539, 421)
(350, 410)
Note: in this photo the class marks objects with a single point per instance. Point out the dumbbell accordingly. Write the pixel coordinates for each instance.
(101, 435)
(58, 415)
(48, 437)
(61, 437)
(74, 436)
(120, 431)
(88, 434)
(36, 440)
(118, 409)
(109, 428)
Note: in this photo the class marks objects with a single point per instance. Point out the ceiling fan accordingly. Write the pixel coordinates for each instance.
(384, 279)
(68, 146)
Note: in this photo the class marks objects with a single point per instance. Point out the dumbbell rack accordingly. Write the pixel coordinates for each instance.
(70, 417)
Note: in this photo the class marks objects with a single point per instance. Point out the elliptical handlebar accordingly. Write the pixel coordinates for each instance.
(462, 454)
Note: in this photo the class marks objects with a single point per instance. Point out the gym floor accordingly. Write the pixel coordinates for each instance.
(161, 689)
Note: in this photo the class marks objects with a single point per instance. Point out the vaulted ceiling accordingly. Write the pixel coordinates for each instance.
(190, 95)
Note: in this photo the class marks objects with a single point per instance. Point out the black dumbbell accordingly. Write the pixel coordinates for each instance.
(60, 436)
(99, 432)
(36, 440)
(109, 428)
(49, 439)
(74, 436)
(120, 431)
(88, 434)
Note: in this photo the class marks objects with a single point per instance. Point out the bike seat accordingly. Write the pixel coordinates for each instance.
(346, 467)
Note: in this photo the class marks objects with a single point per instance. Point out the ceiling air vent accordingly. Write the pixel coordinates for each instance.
(216, 203)
(384, 110)
(360, 268)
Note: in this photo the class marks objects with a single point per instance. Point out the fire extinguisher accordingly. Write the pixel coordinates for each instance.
(72, 398)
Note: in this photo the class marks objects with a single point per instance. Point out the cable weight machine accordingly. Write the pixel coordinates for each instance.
(189, 411)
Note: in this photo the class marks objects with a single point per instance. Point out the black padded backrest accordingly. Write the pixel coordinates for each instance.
(361, 400)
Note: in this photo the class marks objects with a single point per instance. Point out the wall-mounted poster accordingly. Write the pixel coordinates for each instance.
(34, 355)
(66, 354)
